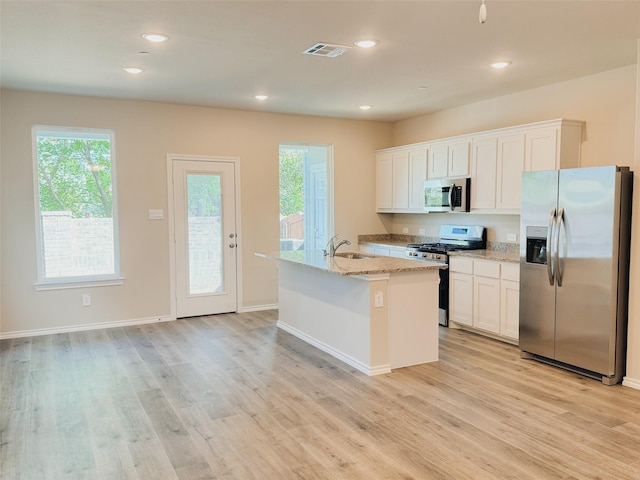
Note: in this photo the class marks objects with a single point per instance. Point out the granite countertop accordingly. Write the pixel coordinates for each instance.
(493, 255)
(347, 266)
(496, 251)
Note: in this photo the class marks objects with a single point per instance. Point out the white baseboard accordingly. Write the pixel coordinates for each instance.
(78, 328)
(371, 371)
(258, 308)
(631, 382)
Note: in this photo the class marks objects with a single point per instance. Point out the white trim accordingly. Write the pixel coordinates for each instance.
(330, 179)
(87, 326)
(631, 382)
(41, 281)
(371, 371)
(258, 308)
(64, 285)
(171, 157)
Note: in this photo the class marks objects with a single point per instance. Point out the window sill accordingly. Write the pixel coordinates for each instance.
(67, 284)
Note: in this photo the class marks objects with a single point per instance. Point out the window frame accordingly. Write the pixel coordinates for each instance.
(329, 151)
(115, 278)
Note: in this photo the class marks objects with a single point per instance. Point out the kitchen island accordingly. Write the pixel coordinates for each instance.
(373, 313)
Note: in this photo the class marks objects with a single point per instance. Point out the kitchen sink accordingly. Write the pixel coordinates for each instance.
(354, 255)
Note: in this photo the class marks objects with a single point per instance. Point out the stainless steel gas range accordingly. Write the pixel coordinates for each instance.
(452, 238)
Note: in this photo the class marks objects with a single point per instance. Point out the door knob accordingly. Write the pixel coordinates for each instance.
(232, 235)
(232, 245)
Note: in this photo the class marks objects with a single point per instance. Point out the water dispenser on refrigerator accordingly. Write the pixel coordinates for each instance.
(537, 245)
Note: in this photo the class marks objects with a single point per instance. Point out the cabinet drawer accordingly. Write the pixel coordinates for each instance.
(462, 265)
(511, 271)
(486, 269)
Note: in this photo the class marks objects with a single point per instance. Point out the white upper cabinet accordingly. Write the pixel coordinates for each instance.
(494, 159)
(459, 158)
(542, 146)
(484, 163)
(449, 159)
(384, 182)
(496, 170)
(554, 146)
(509, 171)
(400, 176)
(438, 161)
(400, 181)
(417, 176)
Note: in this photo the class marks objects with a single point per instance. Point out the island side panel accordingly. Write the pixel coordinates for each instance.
(333, 313)
(413, 318)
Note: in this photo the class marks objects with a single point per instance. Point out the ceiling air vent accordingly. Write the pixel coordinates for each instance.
(326, 50)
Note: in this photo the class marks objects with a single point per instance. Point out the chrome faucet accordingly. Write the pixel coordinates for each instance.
(333, 247)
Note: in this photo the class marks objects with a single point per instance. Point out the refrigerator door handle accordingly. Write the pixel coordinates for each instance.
(558, 260)
(550, 273)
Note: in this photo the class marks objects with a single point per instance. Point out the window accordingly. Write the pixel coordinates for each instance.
(306, 198)
(76, 214)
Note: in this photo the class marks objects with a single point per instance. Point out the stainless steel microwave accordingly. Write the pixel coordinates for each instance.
(447, 195)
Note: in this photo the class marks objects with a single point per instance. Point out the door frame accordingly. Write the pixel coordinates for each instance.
(330, 179)
(235, 161)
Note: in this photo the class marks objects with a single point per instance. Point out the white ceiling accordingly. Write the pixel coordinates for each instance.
(221, 53)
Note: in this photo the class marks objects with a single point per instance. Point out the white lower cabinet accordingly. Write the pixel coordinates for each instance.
(484, 295)
(461, 298)
(509, 300)
(486, 305)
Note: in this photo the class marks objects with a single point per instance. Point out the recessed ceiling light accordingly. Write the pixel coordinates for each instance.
(423, 87)
(133, 70)
(365, 43)
(261, 97)
(500, 64)
(365, 107)
(155, 37)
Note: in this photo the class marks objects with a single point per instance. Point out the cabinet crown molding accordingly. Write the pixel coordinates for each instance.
(557, 122)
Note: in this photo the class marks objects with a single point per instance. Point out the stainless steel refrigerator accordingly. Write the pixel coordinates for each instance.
(575, 230)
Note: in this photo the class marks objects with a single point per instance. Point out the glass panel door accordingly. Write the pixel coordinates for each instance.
(204, 203)
(205, 237)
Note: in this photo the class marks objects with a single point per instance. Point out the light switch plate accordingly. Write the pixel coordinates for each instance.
(378, 299)
(155, 214)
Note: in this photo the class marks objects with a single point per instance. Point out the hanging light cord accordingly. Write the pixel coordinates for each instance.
(482, 16)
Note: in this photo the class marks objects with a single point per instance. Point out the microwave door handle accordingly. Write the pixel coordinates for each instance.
(451, 198)
(559, 226)
(550, 249)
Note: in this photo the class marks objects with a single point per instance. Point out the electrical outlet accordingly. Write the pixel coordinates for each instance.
(405, 230)
(421, 231)
(512, 237)
(86, 300)
(378, 299)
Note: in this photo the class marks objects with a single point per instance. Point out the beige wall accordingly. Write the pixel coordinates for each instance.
(633, 354)
(145, 133)
(605, 101)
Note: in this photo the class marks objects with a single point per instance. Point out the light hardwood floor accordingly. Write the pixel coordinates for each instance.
(233, 397)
